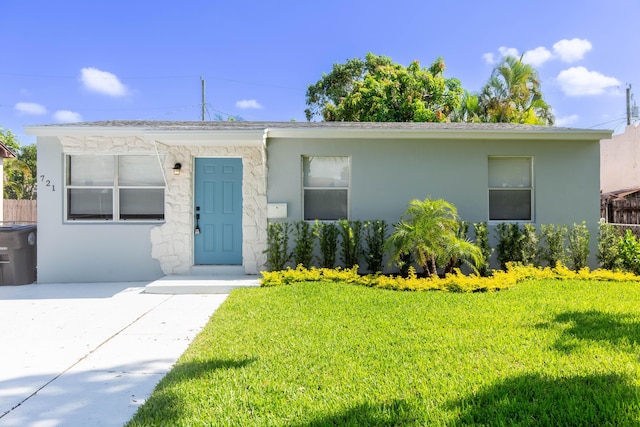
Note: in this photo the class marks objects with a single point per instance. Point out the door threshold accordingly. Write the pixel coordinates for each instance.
(218, 270)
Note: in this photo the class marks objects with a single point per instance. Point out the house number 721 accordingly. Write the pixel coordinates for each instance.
(47, 183)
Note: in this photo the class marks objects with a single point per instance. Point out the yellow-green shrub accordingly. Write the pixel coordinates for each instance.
(454, 282)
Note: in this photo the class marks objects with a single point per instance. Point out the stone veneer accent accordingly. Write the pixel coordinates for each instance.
(172, 242)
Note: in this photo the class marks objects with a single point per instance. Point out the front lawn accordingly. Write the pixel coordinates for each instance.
(545, 353)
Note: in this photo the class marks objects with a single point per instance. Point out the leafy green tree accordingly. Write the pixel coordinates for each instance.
(429, 231)
(513, 95)
(9, 139)
(379, 90)
(19, 173)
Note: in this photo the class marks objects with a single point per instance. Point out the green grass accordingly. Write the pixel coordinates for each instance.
(546, 353)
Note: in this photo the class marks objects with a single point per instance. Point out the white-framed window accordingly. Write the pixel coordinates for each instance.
(510, 188)
(325, 186)
(114, 188)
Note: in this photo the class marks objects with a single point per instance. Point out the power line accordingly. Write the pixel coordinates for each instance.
(617, 119)
(46, 76)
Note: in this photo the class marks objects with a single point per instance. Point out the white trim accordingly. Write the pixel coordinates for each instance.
(164, 176)
(440, 134)
(180, 133)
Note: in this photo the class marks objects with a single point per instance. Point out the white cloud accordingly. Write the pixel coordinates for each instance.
(537, 56)
(102, 82)
(489, 58)
(566, 50)
(567, 120)
(577, 81)
(509, 51)
(571, 50)
(66, 116)
(30, 108)
(249, 104)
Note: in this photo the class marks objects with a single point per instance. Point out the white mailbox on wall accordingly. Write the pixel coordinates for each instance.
(276, 210)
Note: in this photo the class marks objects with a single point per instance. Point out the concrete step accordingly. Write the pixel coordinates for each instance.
(201, 284)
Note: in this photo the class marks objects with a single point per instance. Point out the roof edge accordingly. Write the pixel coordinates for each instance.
(369, 130)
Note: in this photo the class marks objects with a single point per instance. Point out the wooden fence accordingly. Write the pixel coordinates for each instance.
(20, 211)
(618, 211)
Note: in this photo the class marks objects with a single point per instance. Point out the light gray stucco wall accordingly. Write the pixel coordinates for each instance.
(387, 174)
(620, 160)
(86, 252)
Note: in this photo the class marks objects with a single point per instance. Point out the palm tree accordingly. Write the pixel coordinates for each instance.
(470, 110)
(513, 95)
(429, 232)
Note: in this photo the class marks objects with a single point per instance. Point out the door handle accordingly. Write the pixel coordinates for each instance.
(197, 229)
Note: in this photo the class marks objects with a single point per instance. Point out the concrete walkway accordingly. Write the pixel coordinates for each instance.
(90, 354)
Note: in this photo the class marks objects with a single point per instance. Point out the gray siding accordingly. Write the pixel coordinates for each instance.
(387, 174)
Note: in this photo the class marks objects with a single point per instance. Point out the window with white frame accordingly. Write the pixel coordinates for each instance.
(114, 188)
(510, 188)
(325, 187)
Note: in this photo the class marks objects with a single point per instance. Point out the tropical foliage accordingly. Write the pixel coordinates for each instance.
(429, 231)
(379, 90)
(20, 173)
(513, 95)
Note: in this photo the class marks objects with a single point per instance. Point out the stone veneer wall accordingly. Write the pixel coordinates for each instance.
(172, 242)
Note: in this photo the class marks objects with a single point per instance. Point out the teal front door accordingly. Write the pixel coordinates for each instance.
(218, 211)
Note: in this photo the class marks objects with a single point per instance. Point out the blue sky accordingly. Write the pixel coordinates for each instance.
(71, 60)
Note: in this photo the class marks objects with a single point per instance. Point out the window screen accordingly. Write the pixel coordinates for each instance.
(510, 188)
(325, 187)
(117, 188)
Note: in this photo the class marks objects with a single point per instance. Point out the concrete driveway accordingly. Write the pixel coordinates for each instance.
(89, 354)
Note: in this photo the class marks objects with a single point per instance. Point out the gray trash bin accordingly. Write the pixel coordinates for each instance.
(18, 254)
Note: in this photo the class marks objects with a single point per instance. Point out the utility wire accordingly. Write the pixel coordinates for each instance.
(45, 76)
(622, 117)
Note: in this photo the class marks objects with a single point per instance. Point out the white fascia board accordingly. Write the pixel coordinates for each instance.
(50, 130)
(255, 136)
(168, 137)
(471, 134)
(209, 138)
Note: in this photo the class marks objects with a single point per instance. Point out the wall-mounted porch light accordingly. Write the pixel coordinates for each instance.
(177, 168)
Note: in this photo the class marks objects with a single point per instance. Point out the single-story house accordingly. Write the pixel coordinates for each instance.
(133, 200)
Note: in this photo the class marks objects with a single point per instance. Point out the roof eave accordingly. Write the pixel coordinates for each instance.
(196, 135)
(468, 134)
(169, 137)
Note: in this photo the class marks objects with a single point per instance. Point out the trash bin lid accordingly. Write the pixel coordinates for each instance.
(10, 228)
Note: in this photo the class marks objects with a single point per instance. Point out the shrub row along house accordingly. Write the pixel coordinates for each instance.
(123, 201)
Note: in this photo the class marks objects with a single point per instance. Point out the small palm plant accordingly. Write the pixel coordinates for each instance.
(429, 232)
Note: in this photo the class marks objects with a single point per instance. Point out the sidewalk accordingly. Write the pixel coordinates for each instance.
(89, 354)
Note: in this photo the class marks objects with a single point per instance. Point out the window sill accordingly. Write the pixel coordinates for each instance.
(111, 222)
